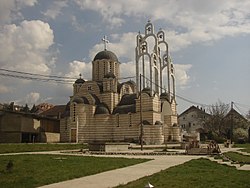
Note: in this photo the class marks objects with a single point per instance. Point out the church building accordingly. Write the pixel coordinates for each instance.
(106, 110)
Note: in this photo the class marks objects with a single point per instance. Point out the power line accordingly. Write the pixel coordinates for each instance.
(180, 97)
(70, 80)
(237, 107)
(37, 79)
(33, 74)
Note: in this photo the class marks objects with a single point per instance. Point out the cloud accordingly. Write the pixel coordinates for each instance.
(108, 10)
(25, 47)
(191, 21)
(78, 26)
(79, 67)
(127, 70)
(55, 9)
(120, 44)
(10, 9)
(181, 74)
(4, 89)
(32, 98)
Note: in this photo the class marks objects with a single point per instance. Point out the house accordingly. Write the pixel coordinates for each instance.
(21, 127)
(192, 121)
(54, 112)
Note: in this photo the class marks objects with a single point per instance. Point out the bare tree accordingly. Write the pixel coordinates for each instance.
(216, 125)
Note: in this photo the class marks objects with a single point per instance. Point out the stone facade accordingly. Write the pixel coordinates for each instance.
(193, 119)
(17, 127)
(105, 110)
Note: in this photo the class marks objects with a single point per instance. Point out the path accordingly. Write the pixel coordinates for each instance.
(124, 175)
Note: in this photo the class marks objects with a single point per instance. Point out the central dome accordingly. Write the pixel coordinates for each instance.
(105, 55)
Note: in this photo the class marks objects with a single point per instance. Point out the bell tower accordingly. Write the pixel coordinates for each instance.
(153, 61)
(105, 63)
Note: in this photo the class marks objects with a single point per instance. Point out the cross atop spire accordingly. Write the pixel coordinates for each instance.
(80, 75)
(105, 42)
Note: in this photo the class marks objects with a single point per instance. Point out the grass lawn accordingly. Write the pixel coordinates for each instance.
(36, 170)
(246, 146)
(234, 156)
(17, 148)
(198, 173)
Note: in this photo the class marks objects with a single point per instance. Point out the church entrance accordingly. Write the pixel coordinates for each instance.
(73, 135)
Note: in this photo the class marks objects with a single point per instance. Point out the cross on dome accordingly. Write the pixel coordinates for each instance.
(105, 41)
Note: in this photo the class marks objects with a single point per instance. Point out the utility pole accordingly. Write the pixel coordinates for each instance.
(141, 124)
(231, 122)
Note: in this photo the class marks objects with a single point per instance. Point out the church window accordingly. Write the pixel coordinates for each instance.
(74, 112)
(130, 119)
(89, 88)
(118, 120)
(66, 123)
(110, 67)
(104, 69)
(97, 70)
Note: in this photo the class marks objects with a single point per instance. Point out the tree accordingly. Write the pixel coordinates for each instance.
(33, 109)
(215, 125)
(26, 108)
(240, 135)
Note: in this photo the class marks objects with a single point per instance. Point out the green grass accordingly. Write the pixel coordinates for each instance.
(198, 173)
(237, 157)
(17, 148)
(245, 146)
(36, 170)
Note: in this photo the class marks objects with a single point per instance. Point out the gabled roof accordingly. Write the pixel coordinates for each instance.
(234, 112)
(54, 111)
(193, 108)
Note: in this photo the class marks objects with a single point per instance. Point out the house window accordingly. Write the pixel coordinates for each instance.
(89, 88)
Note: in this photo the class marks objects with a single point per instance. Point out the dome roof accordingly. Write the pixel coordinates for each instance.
(106, 55)
(102, 109)
(131, 82)
(124, 109)
(147, 90)
(164, 96)
(128, 99)
(78, 100)
(79, 81)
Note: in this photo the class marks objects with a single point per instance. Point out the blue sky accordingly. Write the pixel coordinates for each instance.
(209, 43)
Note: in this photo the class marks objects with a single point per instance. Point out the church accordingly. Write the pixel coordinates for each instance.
(106, 110)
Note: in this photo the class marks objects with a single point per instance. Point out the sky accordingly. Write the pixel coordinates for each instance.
(209, 42)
